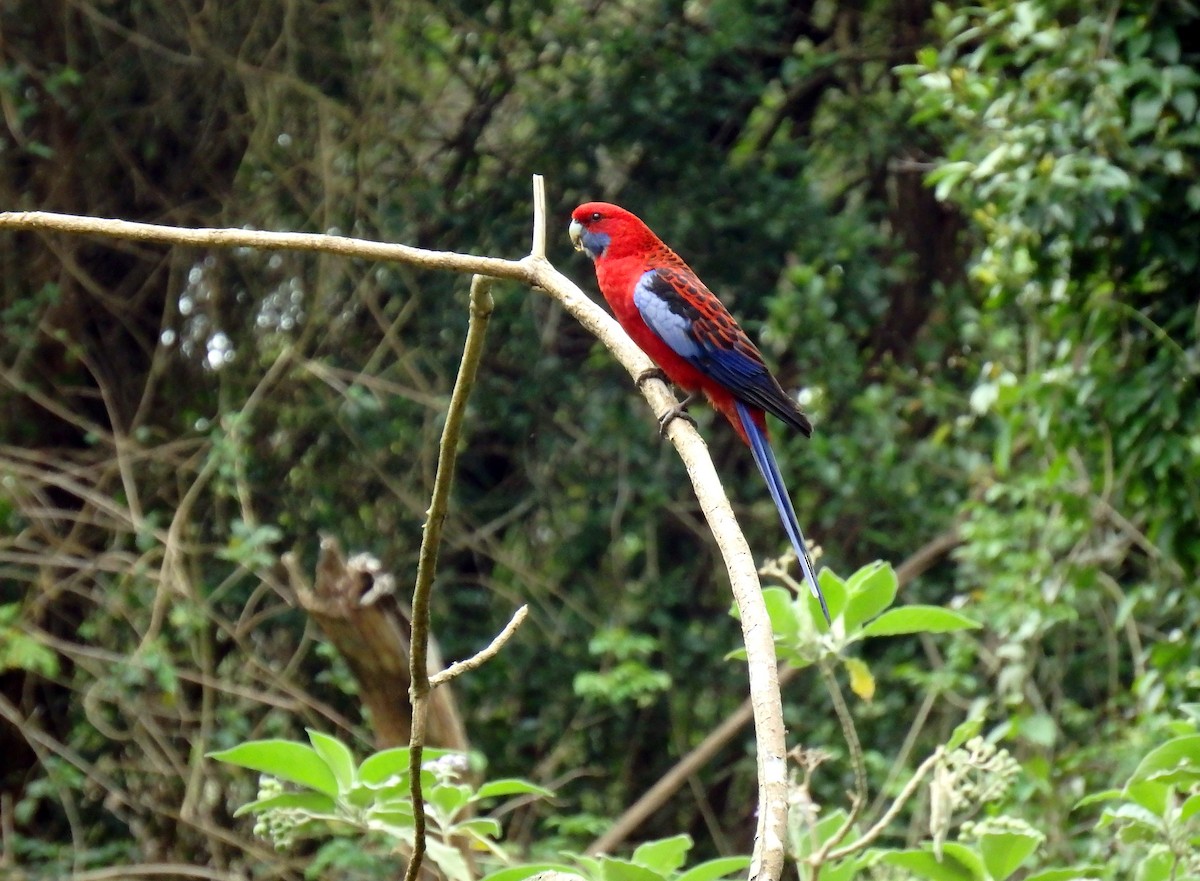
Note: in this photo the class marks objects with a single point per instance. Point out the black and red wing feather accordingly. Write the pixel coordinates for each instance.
(687, 316)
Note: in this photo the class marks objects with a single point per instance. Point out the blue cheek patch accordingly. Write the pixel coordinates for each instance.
(595, 243)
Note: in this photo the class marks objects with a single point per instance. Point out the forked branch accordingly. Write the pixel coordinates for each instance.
(536, 271)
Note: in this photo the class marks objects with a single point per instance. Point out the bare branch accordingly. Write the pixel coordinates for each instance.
(536, 271)
(344, 246)
(821, 856)
(482, 657)
(431, 539)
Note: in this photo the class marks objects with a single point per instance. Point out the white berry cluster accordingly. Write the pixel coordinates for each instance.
(277, 825)
(966, 778)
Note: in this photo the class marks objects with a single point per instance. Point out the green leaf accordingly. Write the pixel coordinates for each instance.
(711, 870)
(612, 869)
(337, 757)
(1191, 710)
(1185, 103)
(848, 869)
(871, 590)
(481, 827)
(1003, 852)
(947, 176)
(447, 799)
(1176, 762)
(1132, 817)
(398, 821)
(1151, 795)
(384, 767)
(520, 873)
(1159, 866)
(1144, 112)
(589, 867)
(361, 796)
(511, 786)
(781, 609)
(1096, 798)
(449, 859)
(964, 732)
(664, 856)
(1078, 873)
(918, 619)
(1038, 729)
(966, 857)
(284, 759)
(926, 865)
(390, 766)
(1189, 808)
(312, 803)
(834, 590)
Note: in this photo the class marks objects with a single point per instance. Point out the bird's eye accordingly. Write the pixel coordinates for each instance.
(596, 215)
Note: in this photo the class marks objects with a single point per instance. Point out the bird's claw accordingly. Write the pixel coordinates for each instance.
(677, 411)
(648, 374)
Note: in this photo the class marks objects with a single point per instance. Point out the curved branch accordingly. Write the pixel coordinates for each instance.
(536, 271)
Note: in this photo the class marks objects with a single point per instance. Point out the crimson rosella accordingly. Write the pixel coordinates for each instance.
(688, 332)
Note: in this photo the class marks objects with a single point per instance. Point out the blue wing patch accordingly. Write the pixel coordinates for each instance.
(699, 329)
(667, 315)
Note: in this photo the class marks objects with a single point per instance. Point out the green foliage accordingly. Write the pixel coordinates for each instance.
(337, 794)
(249, 545)
(974, 262)
(1155, 812)
(997, 856)
(629, 679)
(860, 609)
(661, 860)
(20, 650)
(1070, 143)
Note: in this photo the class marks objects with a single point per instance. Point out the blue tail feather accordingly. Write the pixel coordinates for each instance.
(769, 468)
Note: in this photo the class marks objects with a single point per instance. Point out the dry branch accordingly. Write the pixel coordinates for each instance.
(536, 271)
(431, 539)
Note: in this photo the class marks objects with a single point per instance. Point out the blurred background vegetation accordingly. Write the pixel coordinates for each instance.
(967, 237)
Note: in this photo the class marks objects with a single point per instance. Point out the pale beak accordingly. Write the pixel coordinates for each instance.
(575, 231)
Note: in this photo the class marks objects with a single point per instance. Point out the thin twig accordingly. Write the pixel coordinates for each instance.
(431, 538)
(848, 729)
(910, 741)
(458, 668)
(875, 831)
(859, 797)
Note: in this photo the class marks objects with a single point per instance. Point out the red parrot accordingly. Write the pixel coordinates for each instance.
(688, 332)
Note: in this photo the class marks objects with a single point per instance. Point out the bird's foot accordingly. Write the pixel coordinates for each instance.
(678, 411)
(648, 374)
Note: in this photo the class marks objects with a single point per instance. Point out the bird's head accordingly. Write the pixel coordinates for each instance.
(600, 229)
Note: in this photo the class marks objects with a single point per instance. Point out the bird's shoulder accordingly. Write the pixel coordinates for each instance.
(712, 323)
